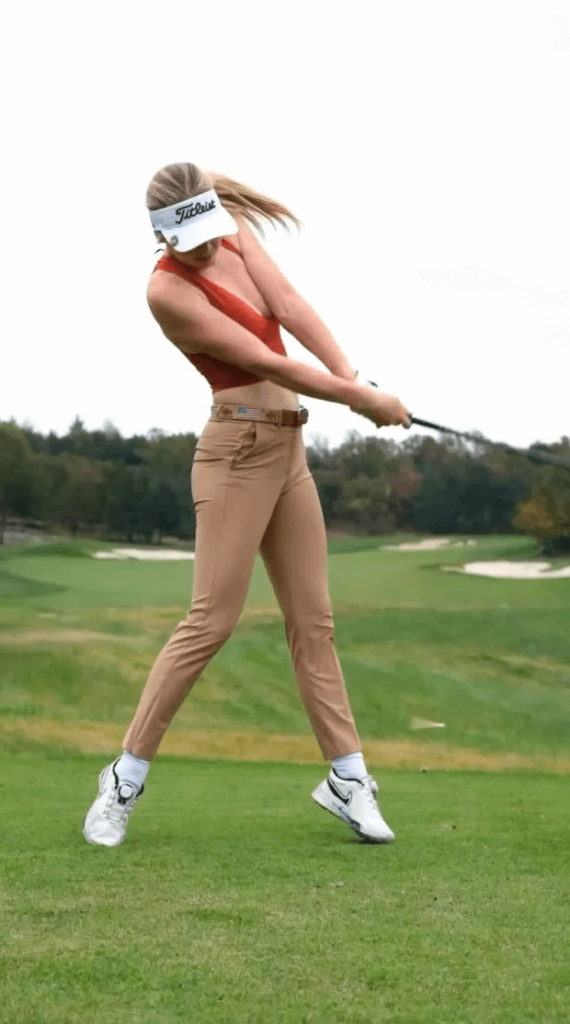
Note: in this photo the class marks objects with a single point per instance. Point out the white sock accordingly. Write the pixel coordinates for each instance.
(350, 766)
(132, 769)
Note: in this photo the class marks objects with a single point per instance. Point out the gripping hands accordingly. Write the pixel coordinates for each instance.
(383, 410)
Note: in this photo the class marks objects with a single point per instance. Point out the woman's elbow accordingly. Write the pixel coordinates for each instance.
(267, 365)
(260, 367)
(286, 307)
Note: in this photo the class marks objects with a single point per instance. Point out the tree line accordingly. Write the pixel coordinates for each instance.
(137, 488)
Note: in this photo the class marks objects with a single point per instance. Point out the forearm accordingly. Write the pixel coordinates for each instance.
(307, 327)
(202, 329)
(313, 383)
(383, 410)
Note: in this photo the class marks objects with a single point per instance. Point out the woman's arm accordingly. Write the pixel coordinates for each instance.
(193, 325)
(292, 311)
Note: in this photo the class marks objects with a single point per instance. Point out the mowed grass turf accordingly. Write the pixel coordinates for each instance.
(489, 658)
(235, 899)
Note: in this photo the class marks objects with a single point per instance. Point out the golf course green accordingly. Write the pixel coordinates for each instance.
(235, 900)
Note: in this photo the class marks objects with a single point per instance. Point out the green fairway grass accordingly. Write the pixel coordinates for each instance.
(489, 658)
(236, 900)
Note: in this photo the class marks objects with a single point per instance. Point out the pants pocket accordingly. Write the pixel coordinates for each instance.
(227, 440)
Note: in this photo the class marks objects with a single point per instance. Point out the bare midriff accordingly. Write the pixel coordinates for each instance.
(264, 395)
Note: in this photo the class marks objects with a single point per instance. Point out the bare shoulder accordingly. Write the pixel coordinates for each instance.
(168, 294)
(248, 243)
(178, 308)
(245, 236)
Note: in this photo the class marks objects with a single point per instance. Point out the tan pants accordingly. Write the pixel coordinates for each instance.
(253, 491)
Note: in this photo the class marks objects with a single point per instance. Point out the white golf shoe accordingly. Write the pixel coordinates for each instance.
(106, 821)
(354, 801)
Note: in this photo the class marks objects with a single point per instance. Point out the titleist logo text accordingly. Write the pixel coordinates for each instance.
(193, 210)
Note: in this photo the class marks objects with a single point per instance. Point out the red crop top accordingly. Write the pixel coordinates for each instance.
(221, 375)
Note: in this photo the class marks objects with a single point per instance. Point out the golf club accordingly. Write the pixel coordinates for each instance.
(530, 453)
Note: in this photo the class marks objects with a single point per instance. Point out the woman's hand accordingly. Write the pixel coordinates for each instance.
(383, 410)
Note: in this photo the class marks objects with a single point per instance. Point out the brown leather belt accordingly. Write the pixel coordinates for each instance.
(281, 417)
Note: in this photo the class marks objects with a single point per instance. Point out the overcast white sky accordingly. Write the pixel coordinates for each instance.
(423, 145)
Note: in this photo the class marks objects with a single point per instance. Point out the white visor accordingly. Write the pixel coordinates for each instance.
(194, 221)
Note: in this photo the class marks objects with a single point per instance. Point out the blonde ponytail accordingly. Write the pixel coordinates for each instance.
(255, 207)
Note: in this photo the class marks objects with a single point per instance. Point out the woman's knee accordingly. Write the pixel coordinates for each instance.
(213, 629)
(310, 625)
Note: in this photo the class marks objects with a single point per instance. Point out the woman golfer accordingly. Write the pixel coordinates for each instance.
(220, 299)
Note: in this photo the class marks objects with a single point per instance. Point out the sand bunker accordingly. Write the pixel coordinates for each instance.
(512, 570)
(148, 555)
(431, 544)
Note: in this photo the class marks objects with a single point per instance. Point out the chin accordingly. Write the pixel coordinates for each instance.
(190, 261)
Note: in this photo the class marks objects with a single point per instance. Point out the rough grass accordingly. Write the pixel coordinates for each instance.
(235, 900)
(23, 734)
(489, 658)
(504, 688)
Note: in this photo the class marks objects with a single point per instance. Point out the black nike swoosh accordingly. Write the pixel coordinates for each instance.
(339, 796)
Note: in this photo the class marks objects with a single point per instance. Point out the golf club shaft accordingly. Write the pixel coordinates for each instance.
(530, 453)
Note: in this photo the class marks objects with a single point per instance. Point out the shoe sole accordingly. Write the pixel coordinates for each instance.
(339, 812)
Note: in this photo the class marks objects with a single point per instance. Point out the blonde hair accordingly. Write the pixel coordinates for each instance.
(177, 182)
